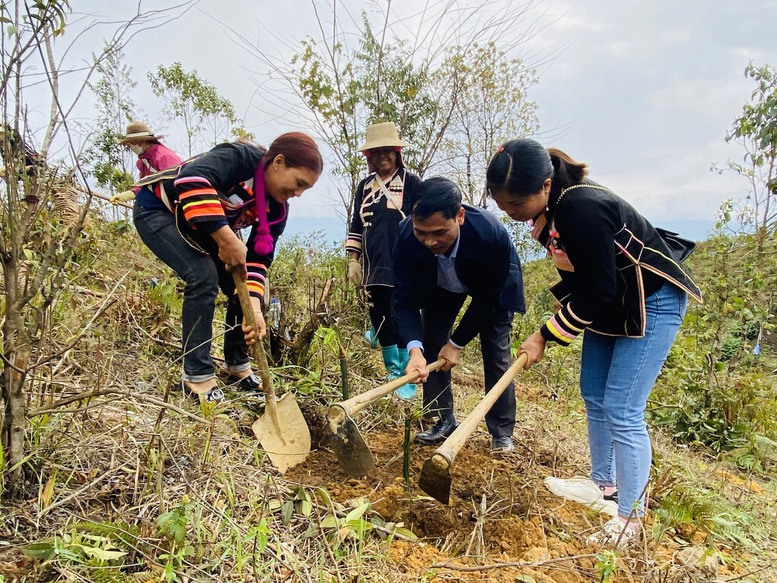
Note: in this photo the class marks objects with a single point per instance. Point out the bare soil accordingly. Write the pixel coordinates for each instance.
(501, 523)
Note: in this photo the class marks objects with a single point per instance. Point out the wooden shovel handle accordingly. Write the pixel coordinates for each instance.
(359, 402)
(454, 443)
(258, 351)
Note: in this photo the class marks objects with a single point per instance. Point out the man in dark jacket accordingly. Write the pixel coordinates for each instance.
(446, 252)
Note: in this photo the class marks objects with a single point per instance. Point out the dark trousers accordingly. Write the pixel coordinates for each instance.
(203, 274)
(382, 314)
(438, 318)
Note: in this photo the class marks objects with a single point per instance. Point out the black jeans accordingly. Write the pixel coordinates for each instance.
(438, 318)
(382, 315)
(203, 274)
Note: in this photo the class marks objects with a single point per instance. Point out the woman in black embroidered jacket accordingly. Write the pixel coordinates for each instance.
(381, 201)
(622, 287)
(190, 216)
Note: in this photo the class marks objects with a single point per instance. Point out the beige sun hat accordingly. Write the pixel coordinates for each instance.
(381, 135)
(138, 131)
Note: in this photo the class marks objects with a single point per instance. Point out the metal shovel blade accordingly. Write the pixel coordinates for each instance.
(435, 478)
(352, 452)
(282, 430)
(292, 446)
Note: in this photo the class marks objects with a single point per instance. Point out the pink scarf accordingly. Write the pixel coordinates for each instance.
(263, 243)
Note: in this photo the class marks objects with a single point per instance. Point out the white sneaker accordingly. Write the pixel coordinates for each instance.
(582, 491)
(614, 533)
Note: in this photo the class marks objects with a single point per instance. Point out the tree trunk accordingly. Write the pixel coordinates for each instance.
(16, 351)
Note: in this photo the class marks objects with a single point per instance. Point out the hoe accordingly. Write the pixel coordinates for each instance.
(435, 477)
(352, 452)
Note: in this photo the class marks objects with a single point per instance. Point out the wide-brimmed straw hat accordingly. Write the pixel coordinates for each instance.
(137, 131)
(382, 135)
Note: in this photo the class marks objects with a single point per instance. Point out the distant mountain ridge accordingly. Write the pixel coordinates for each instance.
(334, 229)
(690, 229)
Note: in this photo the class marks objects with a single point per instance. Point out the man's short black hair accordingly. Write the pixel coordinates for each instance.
(437, 195)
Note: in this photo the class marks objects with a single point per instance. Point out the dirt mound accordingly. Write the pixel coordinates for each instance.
(499, 510)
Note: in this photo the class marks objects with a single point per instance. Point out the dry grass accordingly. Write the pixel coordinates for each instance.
(118, 455)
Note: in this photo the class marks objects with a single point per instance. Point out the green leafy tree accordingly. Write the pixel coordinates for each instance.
(37, 241)
(756, 130)
(394, 72)
(28, 269)
(490, 106)
(727, 401)
(346, 90)
(327, 82)
(208, 118)
(400, 87)
(112, 164)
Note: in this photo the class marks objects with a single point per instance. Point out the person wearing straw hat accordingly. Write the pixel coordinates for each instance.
(381, 201)
(191, 216)
(153, 155)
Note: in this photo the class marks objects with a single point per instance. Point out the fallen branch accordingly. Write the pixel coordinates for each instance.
(746, 575)
(97, 393)
(89, 192)
(82, 489)
(86, 291)
(107, 302)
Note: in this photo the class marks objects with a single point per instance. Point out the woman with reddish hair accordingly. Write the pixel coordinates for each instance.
(190, 216)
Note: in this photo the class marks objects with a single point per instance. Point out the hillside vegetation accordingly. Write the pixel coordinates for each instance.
(109, 472)
(128, 479)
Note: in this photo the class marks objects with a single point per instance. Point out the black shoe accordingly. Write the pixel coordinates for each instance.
(213, 395)
(501, 444)
(439, 433)
(249, 383)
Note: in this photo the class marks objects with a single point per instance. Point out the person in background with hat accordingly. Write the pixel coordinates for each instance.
(624, 291)
(381, 201)
(190, 217)
(153, 155)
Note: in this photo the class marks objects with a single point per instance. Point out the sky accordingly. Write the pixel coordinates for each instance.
(642, 92)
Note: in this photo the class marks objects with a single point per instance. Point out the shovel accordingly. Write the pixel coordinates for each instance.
(282, 429)
(435, 477)
(352, 452)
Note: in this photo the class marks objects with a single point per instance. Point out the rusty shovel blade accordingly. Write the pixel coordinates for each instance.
(435, 478)
(282, 430)
(291, 446)
(351, 450)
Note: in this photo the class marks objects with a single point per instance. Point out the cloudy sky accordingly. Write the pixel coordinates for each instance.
(642, 92)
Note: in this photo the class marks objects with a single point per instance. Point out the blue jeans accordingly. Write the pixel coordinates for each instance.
(204, 273)
(616, 376)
